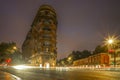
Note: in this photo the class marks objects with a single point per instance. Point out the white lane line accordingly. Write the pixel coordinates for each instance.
(17, 78)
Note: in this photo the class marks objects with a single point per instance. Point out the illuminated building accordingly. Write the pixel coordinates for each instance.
(40, 43)
(101, 59)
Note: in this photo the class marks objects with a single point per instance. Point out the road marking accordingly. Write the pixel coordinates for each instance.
(17, 78)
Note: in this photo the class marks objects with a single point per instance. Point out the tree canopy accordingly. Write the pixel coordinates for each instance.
(100, 49)
(75, 55)
(6, 49)
(9, 51)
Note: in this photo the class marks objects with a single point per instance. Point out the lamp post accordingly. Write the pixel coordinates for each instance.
(111, 43)
(14, 47)
(70, 60)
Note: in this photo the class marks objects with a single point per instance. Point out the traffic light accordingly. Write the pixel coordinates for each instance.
(8, 60)
(111, 51)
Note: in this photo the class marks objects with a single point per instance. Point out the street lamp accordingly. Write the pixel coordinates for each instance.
(14, 47)
(111, 43)
(69, 58)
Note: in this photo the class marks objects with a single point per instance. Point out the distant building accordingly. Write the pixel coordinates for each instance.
(40, 44)
(101, 59)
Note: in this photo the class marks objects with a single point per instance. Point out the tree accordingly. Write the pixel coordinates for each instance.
(9, 52)
(100, 49)
(85, 53)
(62, 62)
(6, 49)
(16, 58)
(75, 55)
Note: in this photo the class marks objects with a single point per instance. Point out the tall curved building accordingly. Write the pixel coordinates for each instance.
(40, 44)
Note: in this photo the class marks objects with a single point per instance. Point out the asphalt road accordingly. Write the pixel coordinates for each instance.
(6, 76)
(63, 74)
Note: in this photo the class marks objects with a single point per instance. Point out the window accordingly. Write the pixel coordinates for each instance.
(46, 29)
(47, 43)
(46, 36)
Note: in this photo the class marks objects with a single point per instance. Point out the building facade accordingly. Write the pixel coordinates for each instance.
(40, 43)
(101, 60)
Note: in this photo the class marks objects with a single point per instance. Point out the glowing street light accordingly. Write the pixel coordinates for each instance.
(111, 42)
(14, 47)
(69, 58)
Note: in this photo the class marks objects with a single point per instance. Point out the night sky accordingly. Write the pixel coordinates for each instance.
(82, 24)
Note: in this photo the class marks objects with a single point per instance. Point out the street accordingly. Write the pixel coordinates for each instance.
(6, 76)
(62, 74)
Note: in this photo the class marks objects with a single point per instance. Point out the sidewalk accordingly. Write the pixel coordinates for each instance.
(7, 76)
